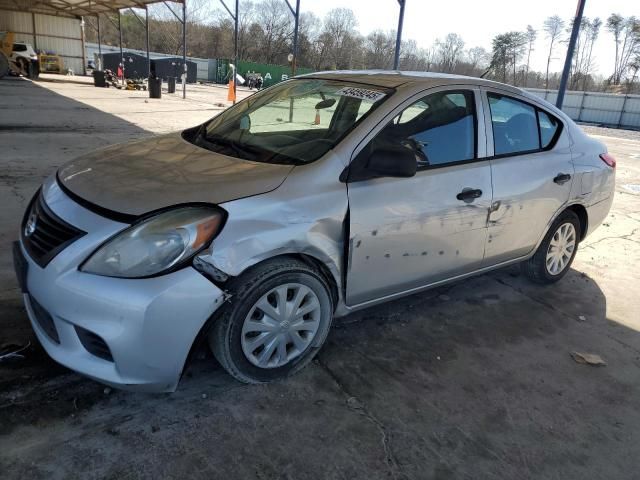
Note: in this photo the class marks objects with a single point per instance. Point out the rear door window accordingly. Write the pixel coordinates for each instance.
(515, 126)
(519, 127)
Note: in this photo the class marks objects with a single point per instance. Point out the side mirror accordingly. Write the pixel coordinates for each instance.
(392, 162)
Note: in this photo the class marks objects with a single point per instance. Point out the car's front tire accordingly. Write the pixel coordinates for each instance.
(554, 256)
(276, 320)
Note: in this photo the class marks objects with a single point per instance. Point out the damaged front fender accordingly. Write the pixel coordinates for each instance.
(289, 220)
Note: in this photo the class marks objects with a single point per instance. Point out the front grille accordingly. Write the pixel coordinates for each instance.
(44, 235)
(44, 320)
(94, 344)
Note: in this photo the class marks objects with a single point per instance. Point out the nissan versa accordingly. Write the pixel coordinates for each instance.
(322, 195)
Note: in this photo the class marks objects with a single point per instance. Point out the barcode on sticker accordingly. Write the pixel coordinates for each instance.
(362, 93)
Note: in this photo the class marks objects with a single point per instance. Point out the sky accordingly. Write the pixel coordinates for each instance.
(478, 21)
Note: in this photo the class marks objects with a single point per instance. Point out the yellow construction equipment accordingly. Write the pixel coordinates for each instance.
(51, 63)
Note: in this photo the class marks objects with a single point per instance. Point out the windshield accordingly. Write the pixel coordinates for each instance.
(295, 122)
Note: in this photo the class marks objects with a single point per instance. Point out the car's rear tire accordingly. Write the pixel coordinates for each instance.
(4, 65)
(554, 256)
(275, 322)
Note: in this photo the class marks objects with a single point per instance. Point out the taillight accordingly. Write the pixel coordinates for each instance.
(608, 159)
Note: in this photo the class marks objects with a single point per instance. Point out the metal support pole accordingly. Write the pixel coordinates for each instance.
(235, 70)
(584, 95)
(146, 29)
(624, 105)
(184, 48)
(294, 53)
(572, 45)
(84, 46)
(33, 28)
(120, 39)
(100, 67)
(296, 20)
(396, 58)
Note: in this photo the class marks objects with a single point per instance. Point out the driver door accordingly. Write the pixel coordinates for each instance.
(406, 233)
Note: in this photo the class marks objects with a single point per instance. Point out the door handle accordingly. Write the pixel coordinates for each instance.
(469, 194)
(562, 178)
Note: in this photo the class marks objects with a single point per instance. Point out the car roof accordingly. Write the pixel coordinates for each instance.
(396, 78)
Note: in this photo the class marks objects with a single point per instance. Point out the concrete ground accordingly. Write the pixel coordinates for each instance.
(471, 381)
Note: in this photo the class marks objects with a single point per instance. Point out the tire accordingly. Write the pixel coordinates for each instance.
(4, 65)
(537, 268)
(231, 338)
(23, 65)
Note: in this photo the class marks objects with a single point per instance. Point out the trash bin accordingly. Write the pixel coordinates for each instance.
(155, 87)
(171, 85)
(34, 69)
(98, 79)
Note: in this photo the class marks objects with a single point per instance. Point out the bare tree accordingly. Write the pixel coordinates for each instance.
(478, 59)
(626, 34)
(553, 27)
(582, 63)
(309, 31)
(634, 66)
(531, 35)
(339, 27)
(275, 31)
(379, 48)
(449, 51)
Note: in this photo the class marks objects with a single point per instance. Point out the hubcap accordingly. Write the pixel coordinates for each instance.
(280, 325)
(561, 248)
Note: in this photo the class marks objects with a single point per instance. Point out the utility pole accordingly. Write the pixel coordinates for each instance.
(572, 45)
(396, 58)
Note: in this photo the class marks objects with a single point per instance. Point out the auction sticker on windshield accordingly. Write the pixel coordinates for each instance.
(362, 93)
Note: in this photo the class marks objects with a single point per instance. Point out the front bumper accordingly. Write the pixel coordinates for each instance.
(148, 325)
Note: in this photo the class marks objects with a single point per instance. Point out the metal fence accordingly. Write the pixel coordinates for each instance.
(607, 109)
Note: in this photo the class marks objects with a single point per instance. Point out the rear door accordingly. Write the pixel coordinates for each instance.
(531, 173)
(406, 233)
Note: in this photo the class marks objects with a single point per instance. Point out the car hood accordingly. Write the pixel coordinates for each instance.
(146, 175)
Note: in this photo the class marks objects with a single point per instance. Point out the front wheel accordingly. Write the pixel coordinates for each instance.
(555, 254)
(277, 319)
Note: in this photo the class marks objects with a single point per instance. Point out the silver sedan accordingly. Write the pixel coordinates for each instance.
(314, 198)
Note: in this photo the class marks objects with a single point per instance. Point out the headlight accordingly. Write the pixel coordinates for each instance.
(156, 245)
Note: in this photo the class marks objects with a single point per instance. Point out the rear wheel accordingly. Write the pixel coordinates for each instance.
(4, 65)
(277, 319)
(555, 254)
(23, 65)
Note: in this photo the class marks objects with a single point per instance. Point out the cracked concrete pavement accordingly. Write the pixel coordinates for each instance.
(473, 380)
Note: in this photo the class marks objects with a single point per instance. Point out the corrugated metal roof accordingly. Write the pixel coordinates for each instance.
(75, 8)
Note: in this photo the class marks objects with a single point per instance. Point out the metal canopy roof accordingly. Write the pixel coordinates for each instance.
(75, 8)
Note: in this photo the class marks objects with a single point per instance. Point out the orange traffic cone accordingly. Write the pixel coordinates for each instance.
(317, 120)
(231, 94)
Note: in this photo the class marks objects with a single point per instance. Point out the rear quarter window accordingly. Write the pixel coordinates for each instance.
(549, 127)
